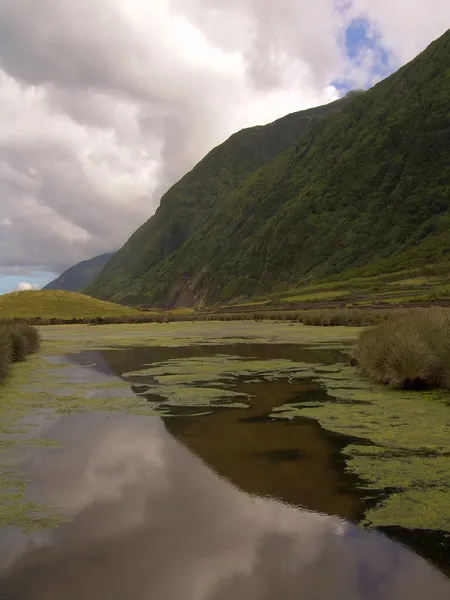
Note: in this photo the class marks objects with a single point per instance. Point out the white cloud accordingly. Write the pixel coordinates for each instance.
(105, 104)
(25, 286)
(405, 27)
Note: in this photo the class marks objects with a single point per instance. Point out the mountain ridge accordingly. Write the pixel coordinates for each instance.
(365, 190)
(79, 276)
(187, 205)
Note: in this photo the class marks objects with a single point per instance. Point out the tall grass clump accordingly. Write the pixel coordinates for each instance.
(345, 317)
(32, 338)
(411, 351)
(17, 340)
(5, 355)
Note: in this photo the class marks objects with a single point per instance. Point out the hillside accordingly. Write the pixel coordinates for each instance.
(191, 202)
(56, 304)
(81, 275)
(364, 192)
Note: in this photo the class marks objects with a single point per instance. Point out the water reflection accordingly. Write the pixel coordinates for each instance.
(298, 462)
(151, 520)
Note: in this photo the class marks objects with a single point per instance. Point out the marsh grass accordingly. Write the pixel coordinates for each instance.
(409, 351)
(344, 317)
(5, 355)
(17, 340)
(350, 317)
(32, 337)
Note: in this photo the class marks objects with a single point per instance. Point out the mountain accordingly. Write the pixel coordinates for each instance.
(81, 275)
(191, 202)
(364, 191)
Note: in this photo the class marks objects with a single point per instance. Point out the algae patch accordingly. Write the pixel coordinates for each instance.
(47, 385)
(404, 448)
(208, 381)
(407, 450)
(17, 511)
(40, 389)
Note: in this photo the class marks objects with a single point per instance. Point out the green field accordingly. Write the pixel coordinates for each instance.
(403, 287)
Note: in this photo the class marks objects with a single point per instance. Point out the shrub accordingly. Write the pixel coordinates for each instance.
(344, 317)
(5, 354)
(33, 340)
(411, 351)
(17, 340)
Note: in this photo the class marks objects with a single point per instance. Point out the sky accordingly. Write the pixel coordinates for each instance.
(104, 104)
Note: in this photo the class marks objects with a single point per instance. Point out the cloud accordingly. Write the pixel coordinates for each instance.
(25, 286)
(105, 104)
(405, 28)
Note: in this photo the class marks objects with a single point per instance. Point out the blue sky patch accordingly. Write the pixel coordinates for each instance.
(8, 283)
(361, 40)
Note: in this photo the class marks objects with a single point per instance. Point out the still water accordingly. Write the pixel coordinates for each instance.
(229, 505)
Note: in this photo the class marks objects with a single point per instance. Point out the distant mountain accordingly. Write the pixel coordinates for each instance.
(361, 186)
(79, 276)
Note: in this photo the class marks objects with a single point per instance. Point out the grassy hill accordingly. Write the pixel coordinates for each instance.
(76, 278)
(363, 193)
(191, 203)
(56, 304)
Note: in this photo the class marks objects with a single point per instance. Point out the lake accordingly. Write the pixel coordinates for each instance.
(217, 483)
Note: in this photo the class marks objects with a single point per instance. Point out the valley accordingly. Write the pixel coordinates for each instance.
(250, 398)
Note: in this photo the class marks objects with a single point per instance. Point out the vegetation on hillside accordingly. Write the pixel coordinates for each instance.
(78, 277)
(364, 192)
(16, 342)
(411, 351)
(191, 204)
(56, 304)
(427, 285)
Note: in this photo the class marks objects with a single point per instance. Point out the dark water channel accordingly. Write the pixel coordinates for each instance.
(230, 505)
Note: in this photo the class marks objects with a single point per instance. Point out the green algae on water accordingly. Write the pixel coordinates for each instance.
(413, 508)
(17, 511)
(404, 436)
(44, 386)
(406, 450)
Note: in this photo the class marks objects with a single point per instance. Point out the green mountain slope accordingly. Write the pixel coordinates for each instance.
(366, 191)
(191, 202)
(81, 275)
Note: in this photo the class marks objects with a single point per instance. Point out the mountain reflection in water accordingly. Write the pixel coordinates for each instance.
(151, 521)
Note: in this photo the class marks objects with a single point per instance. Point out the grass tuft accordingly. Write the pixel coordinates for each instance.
(410, 351)
(5, 355)
(32, 337)
(16, 342)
